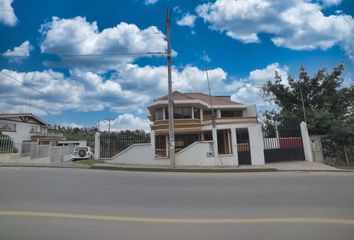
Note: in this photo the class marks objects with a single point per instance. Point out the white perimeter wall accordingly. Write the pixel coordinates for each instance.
(138, 154)
(195, 155)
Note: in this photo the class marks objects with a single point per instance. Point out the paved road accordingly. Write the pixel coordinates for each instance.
(42, 203)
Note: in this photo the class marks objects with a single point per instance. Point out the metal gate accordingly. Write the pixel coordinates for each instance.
(283, 144)
(243, 146)
(113, 143)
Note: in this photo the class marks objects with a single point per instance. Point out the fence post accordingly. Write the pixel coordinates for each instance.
(256, 145)
(346, 155)
(62, 153)
(306, 142)
(97, 145)
(234, 145)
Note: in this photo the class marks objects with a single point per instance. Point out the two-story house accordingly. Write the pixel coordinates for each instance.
(26, 127)
(195, 117)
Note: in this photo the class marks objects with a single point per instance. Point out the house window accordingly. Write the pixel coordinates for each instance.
(166, 113)
(34, 129)
(207, 115)
(184, 140)
(7, 127)
(231, 113)
(196, 113)
(159, 114)
(182, 112)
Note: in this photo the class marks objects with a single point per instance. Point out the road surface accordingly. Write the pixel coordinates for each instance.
(49, 203)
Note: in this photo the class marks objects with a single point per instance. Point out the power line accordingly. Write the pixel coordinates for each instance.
(88, 55)
(22, 83)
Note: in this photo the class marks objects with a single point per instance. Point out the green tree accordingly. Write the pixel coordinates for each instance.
(329, 106)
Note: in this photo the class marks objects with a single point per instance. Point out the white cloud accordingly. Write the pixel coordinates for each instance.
(261, 76)
(70, 124)
(248, 90)
(80, 92)
(76, 36)
(150, 2)
(128, 91)
(187, 20)
(7, 14)
(22, 51)
(206, 58)
(294, 24)
(126, 122)
(153, 80)
(328, 3)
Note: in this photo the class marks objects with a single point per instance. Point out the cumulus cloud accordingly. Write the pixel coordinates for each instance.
(81, 91)
(7, 14)
(128, 90)
(187, 20)
(76, 36)
(126, 121)
(153, 80)
(294, 24)
(20, 52)
(248, 90)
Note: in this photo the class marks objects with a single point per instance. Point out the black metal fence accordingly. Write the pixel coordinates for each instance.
(113, 143)
(283, 144)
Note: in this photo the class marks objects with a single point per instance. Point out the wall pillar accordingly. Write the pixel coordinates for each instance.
(97, 145)
(306, 142)
(234, 145)
(152, 141)
(215, 142)
(256, 145)
(218, 113)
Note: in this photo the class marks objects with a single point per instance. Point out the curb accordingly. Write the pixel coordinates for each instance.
(191, 170)
(162, 169)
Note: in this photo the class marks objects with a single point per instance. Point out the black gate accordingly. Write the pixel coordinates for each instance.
(243, 146)
(115, 142)
(283, 144)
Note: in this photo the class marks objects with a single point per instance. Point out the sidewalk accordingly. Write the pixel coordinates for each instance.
(271, 167)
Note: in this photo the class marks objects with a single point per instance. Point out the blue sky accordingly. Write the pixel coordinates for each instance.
(241, 43)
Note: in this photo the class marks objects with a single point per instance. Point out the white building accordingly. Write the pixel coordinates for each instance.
(26, 127)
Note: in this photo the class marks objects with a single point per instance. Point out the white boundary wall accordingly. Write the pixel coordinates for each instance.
(256, 145)
(137, 154)
(306, 142)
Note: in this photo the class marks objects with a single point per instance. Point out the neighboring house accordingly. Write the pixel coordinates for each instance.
(194, 117)
(26, 127)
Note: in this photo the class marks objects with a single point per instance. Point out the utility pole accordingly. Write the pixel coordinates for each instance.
(171, 131)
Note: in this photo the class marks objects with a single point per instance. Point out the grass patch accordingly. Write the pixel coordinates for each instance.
(88, 162)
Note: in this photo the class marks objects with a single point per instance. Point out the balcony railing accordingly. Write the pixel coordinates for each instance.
(39, 134)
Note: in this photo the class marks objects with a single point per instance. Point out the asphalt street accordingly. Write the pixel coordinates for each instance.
(51, 203)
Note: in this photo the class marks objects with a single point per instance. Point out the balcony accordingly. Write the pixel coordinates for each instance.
(47, 137)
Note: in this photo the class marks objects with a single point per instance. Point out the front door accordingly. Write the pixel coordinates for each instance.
(243, 146)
